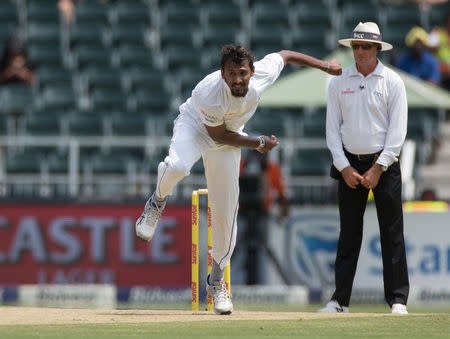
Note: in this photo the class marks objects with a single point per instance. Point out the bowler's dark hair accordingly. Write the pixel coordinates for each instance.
(236, 54)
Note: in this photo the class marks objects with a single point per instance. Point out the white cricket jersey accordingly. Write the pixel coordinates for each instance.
(366, 115)
(212, 103)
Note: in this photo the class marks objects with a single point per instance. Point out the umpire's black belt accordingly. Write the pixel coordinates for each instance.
(361, 157)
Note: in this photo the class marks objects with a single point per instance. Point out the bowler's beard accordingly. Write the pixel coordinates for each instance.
(239, 94)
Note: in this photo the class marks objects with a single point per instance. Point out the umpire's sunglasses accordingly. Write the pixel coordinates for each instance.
(365, 47)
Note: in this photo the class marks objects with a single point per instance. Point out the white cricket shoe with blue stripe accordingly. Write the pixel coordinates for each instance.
(146, 224)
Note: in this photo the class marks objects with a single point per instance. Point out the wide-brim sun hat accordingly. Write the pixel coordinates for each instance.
(368, 32)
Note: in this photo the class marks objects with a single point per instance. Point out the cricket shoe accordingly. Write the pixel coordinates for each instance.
(147, 222)
(221, 297)
(334, 307)
(399, 309)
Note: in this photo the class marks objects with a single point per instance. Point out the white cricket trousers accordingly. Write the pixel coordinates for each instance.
(190, 142)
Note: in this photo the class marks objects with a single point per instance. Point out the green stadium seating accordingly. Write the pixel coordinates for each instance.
(111, 99)
(53, 76)
(3, 125)
(87, 34)
(132, 56)
(7, 10)
(109, 163)
(128, 34)
(39, 125)
(15, 98)
(151, 101)
(143, 78)
(48, 32)
(101, 77)
(86, 55)
(271, 13)
(42, 11)
(91, 11)
(176, 36)
(180, 13)
(58, 98)
(354, 11)
(44, 54)
(85, 124)
(131, 124)
(223, 13)
(23, 163)
(311, 162)
(178, 58)
(134, 11)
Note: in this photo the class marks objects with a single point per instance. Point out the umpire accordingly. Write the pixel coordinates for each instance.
(365, 129)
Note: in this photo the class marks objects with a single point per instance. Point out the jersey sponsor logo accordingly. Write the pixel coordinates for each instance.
(378, 94)
(207, 117)
(348, 91)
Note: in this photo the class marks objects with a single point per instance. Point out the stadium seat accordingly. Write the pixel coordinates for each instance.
(91, 56)
(223, 13)
(311, 162)
(273, 37)
(180, 12)
(4, 125)
(87, 34)
(91, 11)
(266, 125)
(143, 78)
(218, 35)
(41, 125)
(176, 36)
(48, 33)
(354, 11)
(58, 163)
(53, 76)
(313, 13)
(8, 12)
(85, 124)
(15, 98)
(42, 11)
(133, 56)
(437, 14)
(151, 101)
(109, 163)
(44, 54)
(23, 163)
(131, 124)
(128, 34)
(100, 77)
(271, 13)
(134, 11)
(58, 98)
(178, 58)
(111, 99)
(6, 31)
(314, 125)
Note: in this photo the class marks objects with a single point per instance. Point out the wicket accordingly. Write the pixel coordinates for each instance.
(195, 251)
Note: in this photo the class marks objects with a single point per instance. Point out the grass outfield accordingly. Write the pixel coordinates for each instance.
(16, 322)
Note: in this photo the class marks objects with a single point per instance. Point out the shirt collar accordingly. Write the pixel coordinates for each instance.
(379, 70)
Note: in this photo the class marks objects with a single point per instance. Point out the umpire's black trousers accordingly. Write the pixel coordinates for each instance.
(352, 204)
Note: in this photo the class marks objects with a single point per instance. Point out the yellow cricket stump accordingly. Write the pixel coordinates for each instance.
(195, 252)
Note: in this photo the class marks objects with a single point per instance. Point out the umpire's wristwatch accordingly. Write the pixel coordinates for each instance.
(384, 167)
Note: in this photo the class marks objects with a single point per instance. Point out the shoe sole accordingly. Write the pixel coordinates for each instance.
(224, 313)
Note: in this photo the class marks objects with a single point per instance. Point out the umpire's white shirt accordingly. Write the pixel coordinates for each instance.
(366, 115)
(213, 104)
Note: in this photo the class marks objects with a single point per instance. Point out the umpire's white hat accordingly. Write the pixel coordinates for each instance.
(366, 31)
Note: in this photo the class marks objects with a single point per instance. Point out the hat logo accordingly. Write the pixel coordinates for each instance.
(359, 35)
